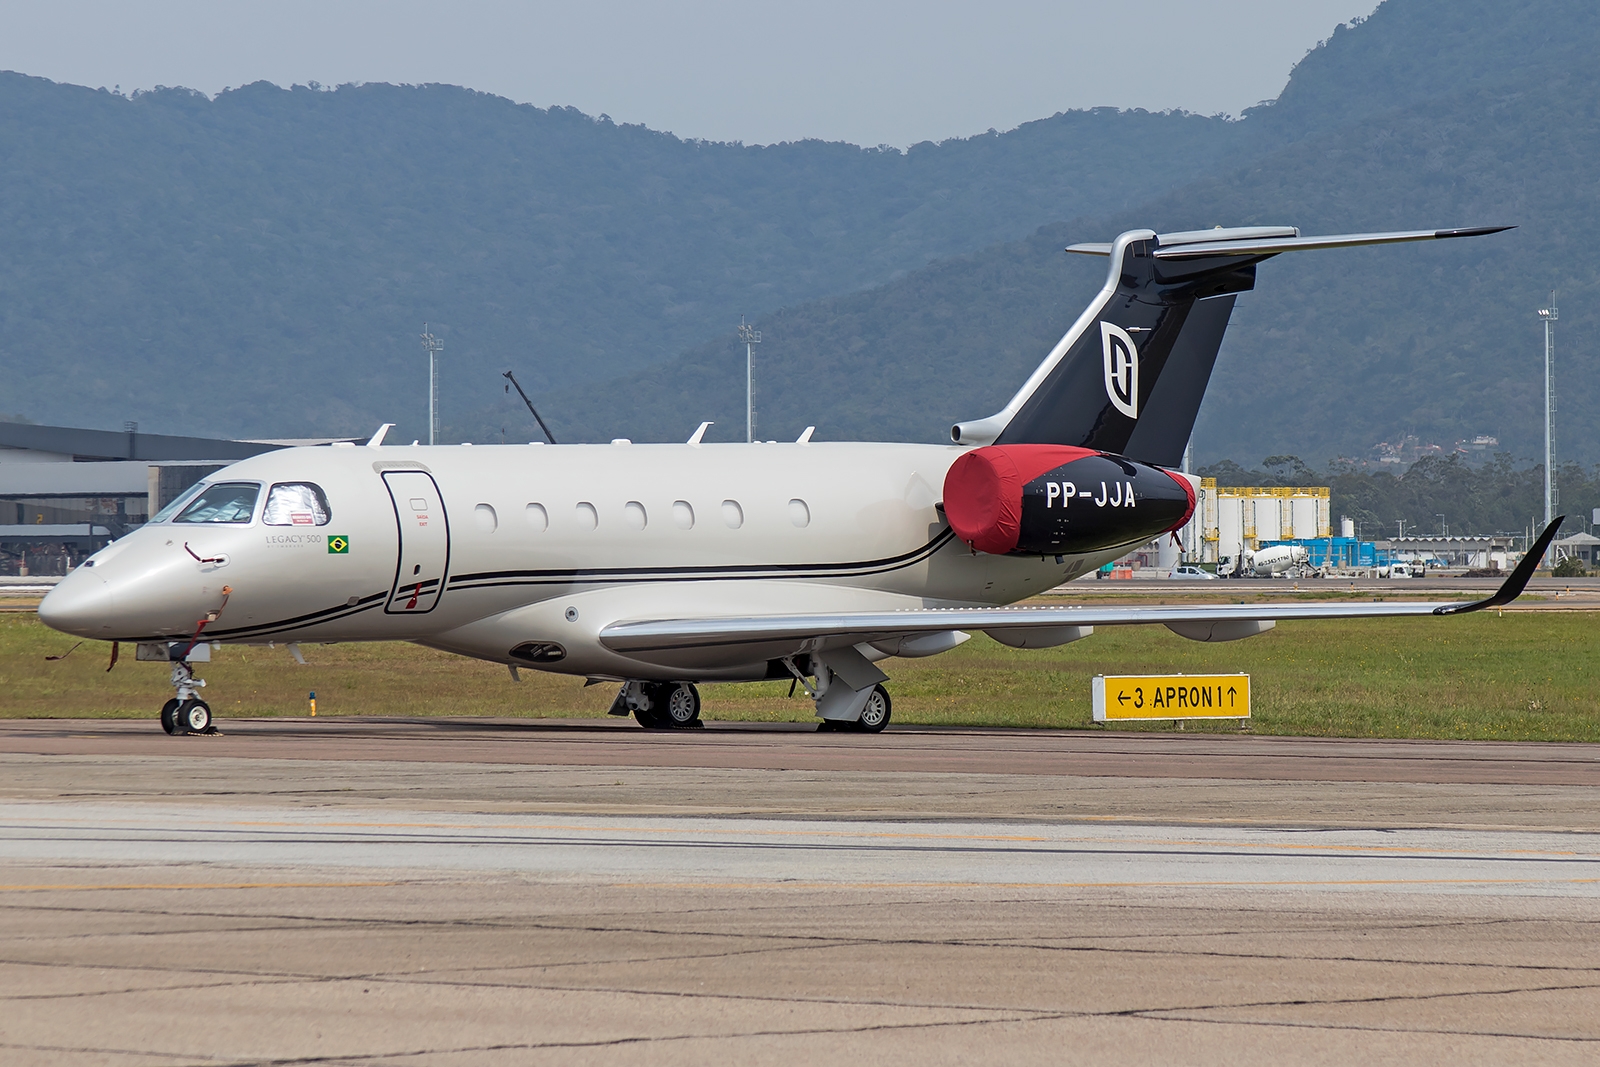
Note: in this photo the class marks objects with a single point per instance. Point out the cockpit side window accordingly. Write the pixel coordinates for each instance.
(223, 502)
(296, 504)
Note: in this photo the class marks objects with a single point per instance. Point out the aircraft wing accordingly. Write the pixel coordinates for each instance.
(643, 637)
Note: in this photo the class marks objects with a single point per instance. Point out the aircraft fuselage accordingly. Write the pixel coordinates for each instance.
(484, 549)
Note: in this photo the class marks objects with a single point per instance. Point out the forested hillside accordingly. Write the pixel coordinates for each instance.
(262, 263)
(1334, 351)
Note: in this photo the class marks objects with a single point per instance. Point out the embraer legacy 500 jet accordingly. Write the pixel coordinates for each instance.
(661, 566)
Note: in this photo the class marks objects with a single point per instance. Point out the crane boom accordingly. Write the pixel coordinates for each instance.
(528, 402)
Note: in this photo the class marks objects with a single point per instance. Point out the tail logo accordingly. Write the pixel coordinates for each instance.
(1122, 369)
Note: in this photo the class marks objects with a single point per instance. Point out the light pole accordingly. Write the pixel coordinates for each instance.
(751, 337)
(1549, 315)
(433, 346)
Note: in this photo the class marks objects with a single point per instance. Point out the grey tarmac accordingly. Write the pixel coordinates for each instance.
(388, 892)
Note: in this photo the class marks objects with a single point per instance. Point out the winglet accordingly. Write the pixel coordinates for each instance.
(377, 438)
(805, 438)
(694, 439)
(1514, 585)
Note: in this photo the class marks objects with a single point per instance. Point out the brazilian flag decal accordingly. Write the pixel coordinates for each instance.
(338, 545)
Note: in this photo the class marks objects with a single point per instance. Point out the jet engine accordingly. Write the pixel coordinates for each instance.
(1036, 500)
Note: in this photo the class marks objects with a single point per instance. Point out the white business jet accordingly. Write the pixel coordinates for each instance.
(662, 566)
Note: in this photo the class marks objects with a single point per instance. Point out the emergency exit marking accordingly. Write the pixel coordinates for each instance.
(1171, 696)
(338, 545)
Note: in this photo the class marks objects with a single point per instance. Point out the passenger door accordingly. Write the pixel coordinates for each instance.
(424, 542)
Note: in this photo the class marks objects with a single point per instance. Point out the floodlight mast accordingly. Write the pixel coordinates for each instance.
(751, 337)
(433, 346)
(1549, 315)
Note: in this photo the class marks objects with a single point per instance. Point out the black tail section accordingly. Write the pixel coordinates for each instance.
(1129, 376)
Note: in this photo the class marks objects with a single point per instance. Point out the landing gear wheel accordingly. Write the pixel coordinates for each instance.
(875, 716)
(681, 707)
(194, 717)
(655, 718)
(169, 716)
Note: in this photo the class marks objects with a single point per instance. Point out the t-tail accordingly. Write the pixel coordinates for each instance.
(1129, 375)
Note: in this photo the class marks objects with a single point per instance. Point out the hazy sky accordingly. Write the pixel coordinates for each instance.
(891, 72)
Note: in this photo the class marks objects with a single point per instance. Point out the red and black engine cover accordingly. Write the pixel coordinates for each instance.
(1035, 500)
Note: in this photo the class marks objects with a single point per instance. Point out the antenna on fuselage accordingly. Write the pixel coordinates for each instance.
(512, 379)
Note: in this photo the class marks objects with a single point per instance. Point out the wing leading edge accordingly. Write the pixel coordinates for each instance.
(661, 635)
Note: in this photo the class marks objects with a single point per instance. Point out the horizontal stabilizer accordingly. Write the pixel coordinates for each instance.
(1271, 240)
(1271, 246)
(1185, 237)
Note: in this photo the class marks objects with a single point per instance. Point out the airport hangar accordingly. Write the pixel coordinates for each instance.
(65, 491)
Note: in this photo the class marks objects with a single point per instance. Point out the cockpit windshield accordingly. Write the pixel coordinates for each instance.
(223, 502)
(296, 504)
(177, 503)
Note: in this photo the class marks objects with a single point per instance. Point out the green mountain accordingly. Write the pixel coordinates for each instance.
(1430, 113)
(261, 263)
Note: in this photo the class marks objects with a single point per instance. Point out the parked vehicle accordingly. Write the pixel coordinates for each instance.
(1188, 571)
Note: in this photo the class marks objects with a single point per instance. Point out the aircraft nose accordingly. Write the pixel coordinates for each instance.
(81, 604)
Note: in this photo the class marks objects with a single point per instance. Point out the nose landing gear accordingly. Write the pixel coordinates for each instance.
(186, 713)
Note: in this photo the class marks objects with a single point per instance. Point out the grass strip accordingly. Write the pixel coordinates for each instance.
(1517, 676)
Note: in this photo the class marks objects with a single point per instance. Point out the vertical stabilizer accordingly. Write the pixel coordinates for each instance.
(1129, 375)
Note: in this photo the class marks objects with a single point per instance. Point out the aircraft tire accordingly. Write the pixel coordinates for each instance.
(680, 706)
(875, 716)
(656, 717)
(169, 716)
(194, 717)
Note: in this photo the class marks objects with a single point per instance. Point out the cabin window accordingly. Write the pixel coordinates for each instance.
(223, 502)
(633, 514)
(537, 517)
(296, 504)
(683, 514)
(799, 514)
(486, 518)
(732, 514)
(588, 518)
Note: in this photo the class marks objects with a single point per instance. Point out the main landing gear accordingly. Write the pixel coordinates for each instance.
(676, 706)
(874, 716)
(660, 705)
(186, 713)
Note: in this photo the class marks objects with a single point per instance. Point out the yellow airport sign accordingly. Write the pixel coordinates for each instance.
(1120, 698)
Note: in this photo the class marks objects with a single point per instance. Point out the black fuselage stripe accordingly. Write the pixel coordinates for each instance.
(751, 570)
(607, 576)
(299, 621)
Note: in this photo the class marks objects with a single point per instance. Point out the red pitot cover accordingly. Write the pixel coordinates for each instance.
(983, 491)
